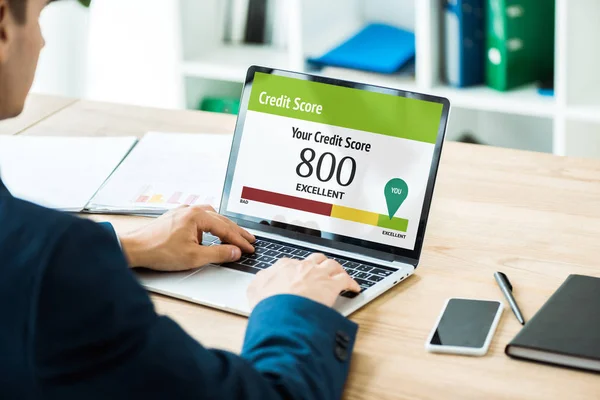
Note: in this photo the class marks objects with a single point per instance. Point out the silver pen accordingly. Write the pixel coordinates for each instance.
(506, 288)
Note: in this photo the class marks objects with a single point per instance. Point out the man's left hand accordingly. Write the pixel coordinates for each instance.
(173, 242)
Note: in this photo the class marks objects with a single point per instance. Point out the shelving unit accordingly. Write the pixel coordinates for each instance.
(566, 124)
(584, 113)
(522, 101)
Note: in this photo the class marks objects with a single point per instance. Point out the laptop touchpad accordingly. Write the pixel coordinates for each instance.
(221, 287)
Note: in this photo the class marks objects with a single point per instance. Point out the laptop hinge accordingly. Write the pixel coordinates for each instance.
(387, 257)
(406, 260)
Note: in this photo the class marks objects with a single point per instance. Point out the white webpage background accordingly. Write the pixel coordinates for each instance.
(269, 155)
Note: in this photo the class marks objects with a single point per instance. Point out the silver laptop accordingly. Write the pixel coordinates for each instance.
(322, 165)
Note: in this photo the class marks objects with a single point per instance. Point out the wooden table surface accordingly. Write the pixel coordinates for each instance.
(534, 216)
(37, 108)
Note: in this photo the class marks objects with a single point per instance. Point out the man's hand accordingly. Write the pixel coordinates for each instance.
(316, 278)
(173, 242)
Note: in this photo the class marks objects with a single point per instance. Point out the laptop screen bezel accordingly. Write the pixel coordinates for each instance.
(345, 243)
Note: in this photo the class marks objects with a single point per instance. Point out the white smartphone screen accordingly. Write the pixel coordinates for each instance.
(465, 323)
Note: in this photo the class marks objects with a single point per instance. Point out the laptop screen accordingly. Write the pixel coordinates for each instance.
(336, 162)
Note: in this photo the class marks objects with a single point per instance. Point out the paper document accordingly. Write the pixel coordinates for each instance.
(165, 171)
(59, 172)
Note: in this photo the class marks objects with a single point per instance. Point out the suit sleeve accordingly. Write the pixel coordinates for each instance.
(110, 229)
(97, 336)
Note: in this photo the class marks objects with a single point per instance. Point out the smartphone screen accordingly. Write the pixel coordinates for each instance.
(465, 323)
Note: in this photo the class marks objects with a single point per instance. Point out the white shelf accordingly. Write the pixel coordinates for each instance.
(584, 113)
(230, 63)
(522, 101)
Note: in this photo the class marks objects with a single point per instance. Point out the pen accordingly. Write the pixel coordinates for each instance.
(506, 288)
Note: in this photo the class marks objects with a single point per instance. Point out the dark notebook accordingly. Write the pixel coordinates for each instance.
(566, 330)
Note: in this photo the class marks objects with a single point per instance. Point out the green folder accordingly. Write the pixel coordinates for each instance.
(520, 42)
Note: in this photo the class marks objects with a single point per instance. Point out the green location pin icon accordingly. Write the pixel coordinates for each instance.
(396, 192)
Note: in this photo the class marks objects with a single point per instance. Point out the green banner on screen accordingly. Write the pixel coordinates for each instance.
(346, 107)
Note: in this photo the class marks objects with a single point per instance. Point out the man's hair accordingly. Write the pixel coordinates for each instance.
(18, 9)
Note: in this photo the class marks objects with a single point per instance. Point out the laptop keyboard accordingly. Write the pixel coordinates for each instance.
(268, 251)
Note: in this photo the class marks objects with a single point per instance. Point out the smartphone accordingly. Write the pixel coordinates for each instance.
(465, 326)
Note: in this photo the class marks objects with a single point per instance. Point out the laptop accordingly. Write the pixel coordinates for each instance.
(323, 165)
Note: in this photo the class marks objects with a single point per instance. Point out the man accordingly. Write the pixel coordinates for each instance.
(75, 324)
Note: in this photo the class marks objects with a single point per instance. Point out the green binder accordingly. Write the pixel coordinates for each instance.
(224, 105)
(520, 42)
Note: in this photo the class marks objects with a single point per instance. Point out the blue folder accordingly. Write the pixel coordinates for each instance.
(465, 42)
(376, 48)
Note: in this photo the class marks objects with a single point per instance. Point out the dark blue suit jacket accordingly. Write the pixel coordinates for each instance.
(75, 324)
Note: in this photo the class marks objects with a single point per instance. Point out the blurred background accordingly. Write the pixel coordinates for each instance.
(520, 74)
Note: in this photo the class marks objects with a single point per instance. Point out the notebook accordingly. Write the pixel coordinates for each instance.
(566, 330)
(165, 171)
(59, 172)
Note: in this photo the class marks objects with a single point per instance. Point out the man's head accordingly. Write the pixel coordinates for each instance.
(20, 44)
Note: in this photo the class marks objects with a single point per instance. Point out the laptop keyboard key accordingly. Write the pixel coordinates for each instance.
(362, 275)
(271, 253)
(249, 261)
(363, 283)
(301, 253)
(262, 265)
(266, 259)
(364, 268)
(274, 246)
(375, 278)
(352, 265)
(286, 250)
(380, 272)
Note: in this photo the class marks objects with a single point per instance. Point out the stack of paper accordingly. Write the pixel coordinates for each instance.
(59, 172)
(165, 171)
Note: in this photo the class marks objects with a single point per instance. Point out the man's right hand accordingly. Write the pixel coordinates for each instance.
(316, 278)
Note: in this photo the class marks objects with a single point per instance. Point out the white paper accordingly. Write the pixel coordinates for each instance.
(165, 171)
(59, 172)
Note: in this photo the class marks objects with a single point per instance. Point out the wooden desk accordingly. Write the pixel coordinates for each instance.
(88, 118)
(534, 216)
(36, 109)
